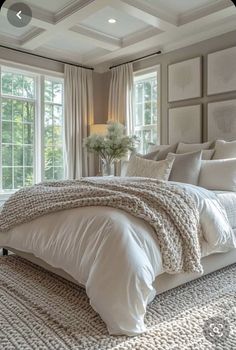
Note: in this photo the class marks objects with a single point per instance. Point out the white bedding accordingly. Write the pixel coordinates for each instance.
(113, 254)
(228, 200)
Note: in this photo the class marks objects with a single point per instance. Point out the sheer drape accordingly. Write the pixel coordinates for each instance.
(78, 118)
(120, 107)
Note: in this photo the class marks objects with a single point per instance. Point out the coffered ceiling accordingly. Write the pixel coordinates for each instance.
(78, 30)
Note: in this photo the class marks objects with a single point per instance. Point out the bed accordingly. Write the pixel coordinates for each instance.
(116, 256)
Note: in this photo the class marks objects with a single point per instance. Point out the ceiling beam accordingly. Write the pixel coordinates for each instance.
(214, 9)
(140, 36)
(101, 40)
(145, 13)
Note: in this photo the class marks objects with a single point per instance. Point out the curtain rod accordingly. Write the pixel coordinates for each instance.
(136, 59)
(47, 58)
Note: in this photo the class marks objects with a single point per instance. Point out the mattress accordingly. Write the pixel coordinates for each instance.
(228, 200)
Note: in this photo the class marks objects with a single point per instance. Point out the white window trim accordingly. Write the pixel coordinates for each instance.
(40, 75)
(157, 69)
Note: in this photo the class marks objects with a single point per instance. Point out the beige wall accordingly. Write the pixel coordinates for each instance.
(37, 62)
(101, 84)
(199, 49)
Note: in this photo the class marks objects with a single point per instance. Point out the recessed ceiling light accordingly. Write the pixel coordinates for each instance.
(112, 20)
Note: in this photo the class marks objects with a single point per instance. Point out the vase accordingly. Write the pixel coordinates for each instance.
(108, 168)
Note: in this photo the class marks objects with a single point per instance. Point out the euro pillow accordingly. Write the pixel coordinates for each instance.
(152, 147)
(225, 150)
(140, 167)
(218, 174)
(186, 167)
(162, 154)
(192, 147)
(150, 155)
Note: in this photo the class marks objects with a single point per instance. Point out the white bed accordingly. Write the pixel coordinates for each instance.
(116, 256)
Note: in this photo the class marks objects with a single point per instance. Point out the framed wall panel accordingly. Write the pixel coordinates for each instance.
(185, 80)
(185, 124)
(221, 120)
(221, 71)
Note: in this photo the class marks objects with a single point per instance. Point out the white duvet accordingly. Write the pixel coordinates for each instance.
(113, 254)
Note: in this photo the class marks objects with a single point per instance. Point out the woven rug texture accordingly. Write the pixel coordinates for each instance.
(41, 311)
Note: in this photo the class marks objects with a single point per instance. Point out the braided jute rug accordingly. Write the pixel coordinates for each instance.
(40, 311)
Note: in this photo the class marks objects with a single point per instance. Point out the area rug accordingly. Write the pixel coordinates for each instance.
(41, 311)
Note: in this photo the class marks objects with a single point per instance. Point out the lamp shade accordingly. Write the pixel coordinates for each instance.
(98, 129)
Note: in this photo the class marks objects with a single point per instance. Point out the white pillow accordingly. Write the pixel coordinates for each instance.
(207, 154)
(225, 150)
(218, 174)
(149, 168)
(192, 147)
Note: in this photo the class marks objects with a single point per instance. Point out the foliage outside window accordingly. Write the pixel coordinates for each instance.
(146, 123)
(29, 110)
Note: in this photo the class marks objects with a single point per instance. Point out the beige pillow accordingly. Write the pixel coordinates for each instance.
(153, 147)
(150, 155)
(219, 174)
(186, 167)
(192, 147)
(163, 153)
(140, 167)
(225, 150)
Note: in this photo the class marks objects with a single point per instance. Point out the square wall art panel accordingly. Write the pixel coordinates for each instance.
(221, 73)
(185, 124)
(185, 80)
(222, 120)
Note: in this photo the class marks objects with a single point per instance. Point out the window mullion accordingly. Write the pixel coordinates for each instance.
(40, 131)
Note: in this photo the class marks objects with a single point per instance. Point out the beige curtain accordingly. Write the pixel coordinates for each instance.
(120, 107)
(78, 118)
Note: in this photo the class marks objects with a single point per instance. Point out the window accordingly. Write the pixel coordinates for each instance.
(53, 130)
(31, 129)
(146, 123)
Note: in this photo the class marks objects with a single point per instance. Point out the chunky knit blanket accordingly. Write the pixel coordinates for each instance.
(170, 211)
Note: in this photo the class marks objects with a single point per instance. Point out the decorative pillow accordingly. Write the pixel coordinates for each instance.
(152, 147)
(192, 147)
(225, 150)
(164, 152)
(218, 174)
(207, 154)
(149, 168)
(186, 167)
(150, 156)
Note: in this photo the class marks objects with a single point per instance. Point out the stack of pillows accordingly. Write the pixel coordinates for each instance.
(211, 165)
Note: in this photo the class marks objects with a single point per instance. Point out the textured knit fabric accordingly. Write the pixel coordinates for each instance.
(168, 209)
(39, 310)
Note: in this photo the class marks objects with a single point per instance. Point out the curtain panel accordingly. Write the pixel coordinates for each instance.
(120, 106)
(78, 118)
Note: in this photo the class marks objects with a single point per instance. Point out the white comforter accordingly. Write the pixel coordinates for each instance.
(113, 254)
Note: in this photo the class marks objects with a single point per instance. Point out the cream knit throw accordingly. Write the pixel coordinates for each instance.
(170, 211)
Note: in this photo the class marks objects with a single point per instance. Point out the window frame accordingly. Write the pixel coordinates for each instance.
(40, 75)
(58, 80)
(154, 69)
